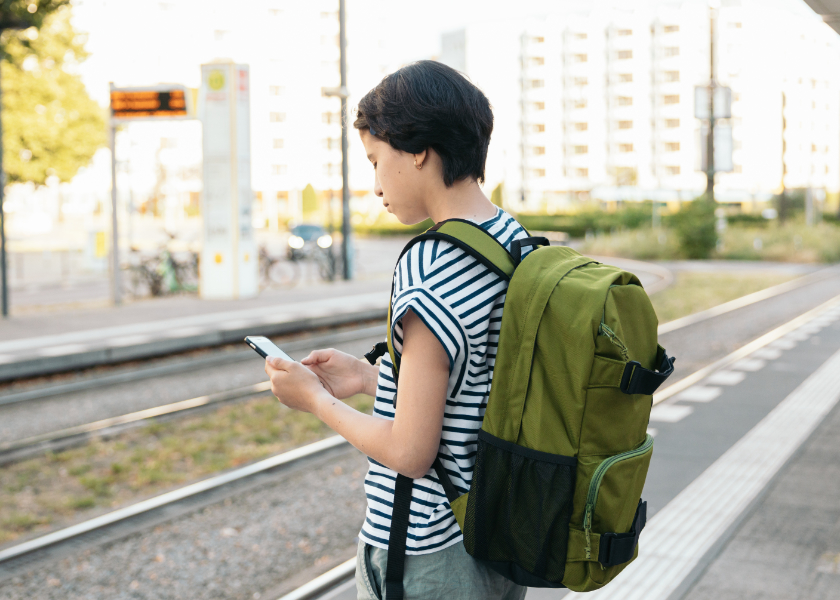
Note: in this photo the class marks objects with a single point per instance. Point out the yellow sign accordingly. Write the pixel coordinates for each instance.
(216, 80)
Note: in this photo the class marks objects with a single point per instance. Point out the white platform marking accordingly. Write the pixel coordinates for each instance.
(784, 344)
(677, 538)
(699, 393)
(129, 340)
(670, 413)
(726, 377)
(186, 332)
(749, 364)
(61, 350)
(767, 353)
(799, 335)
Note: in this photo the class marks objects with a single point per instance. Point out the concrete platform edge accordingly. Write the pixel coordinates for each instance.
(56, 364)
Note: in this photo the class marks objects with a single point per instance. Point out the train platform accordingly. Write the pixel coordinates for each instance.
(52, 342)
(743, 488)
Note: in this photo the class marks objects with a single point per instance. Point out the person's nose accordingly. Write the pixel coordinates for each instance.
(377, 189)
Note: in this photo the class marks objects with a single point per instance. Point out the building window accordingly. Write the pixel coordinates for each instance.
(625, 54)
(625, 32)
(671, 99)
(580, 103)
(277, 117)
(538, 150)
(672, 146)
(672, 170)
(581, 149)
(538, 128)
(671, 76)
(581, 81)
(536, 83)
(625, 147)
(332, 143)
(672, 123)
(275, 90)
(735, 25)
(625, 124)
(328, 40)
(332, 169)
(672, 51)
(581, 126)
(625, 101)
(538, 105)
(538, 172)
(582, 172)
(278, 143)
(580, 36)
(278, 169)
(580, 58)
(672, 28)
(537, 39)
(331, 117)
(625, 77)
(537, 61)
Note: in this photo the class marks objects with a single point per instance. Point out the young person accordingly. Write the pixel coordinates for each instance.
(425, 129)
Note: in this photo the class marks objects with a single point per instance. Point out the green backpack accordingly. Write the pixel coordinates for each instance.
(563, 450)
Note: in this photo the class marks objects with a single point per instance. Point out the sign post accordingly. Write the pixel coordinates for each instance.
(228, 255)
(160, 102)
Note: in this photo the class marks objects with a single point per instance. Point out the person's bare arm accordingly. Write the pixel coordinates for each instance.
(409, 443)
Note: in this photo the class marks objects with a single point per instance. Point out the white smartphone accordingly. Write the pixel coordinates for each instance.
(265, 347)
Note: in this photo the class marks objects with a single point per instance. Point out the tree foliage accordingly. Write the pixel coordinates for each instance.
(50, 124)
(497, 195)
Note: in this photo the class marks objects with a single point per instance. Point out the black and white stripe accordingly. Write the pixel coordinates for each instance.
(460, 300)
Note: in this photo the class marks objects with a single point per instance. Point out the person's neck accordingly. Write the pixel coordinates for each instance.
(463, 200)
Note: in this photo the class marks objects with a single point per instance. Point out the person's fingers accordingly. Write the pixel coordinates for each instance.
(278, 363)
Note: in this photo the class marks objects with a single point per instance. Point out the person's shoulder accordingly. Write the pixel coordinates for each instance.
(426, 260)
(504, 228)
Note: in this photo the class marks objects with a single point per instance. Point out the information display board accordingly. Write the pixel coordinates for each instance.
(156, 102)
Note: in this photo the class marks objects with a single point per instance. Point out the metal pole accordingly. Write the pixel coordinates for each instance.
(115, 241)
(346, 243)
(710, 142)
(4, 285)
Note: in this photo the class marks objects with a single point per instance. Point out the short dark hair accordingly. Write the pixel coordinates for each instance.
(429, 105)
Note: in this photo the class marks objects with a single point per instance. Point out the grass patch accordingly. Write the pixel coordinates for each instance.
(692, 292)
(45, 491)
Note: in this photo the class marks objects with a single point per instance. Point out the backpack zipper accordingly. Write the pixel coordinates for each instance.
(595, 486)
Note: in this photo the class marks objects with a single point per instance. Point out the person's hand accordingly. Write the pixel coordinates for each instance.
(293, 384)
(343, 375)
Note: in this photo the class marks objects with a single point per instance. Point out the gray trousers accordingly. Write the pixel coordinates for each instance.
(449, 573)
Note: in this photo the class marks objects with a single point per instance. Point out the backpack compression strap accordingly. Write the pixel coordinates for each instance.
(638, 380)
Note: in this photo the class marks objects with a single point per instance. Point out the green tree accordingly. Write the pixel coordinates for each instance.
(309, 201)
(496, 196)
(50, 124)
(695, 227)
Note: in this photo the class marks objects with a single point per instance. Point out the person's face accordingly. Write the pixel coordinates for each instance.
(396, 179)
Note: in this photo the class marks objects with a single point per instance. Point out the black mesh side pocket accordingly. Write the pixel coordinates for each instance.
(518, 511)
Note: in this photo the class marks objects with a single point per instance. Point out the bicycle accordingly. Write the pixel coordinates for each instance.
(277, 271)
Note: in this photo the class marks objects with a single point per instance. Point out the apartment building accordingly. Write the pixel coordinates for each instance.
(599, 101)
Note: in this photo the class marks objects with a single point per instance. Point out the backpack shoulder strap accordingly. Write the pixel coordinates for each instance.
(474, 240)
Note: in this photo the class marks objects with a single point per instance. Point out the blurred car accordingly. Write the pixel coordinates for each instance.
(306, 240)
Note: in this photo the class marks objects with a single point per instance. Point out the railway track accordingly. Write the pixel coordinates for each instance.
(57, 440)
(809, 320)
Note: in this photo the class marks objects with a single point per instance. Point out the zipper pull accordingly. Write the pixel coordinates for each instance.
(587, 527)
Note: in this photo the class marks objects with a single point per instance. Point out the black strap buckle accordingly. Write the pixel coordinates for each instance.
(517, 245)
(618, 548)
(380, 349)
(638, 380)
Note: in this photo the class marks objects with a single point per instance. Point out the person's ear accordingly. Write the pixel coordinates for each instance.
(420, 159)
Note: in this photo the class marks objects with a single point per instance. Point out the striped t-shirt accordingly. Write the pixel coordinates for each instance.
(460, 300)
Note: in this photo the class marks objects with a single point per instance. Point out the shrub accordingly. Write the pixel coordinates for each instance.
(695, 227)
